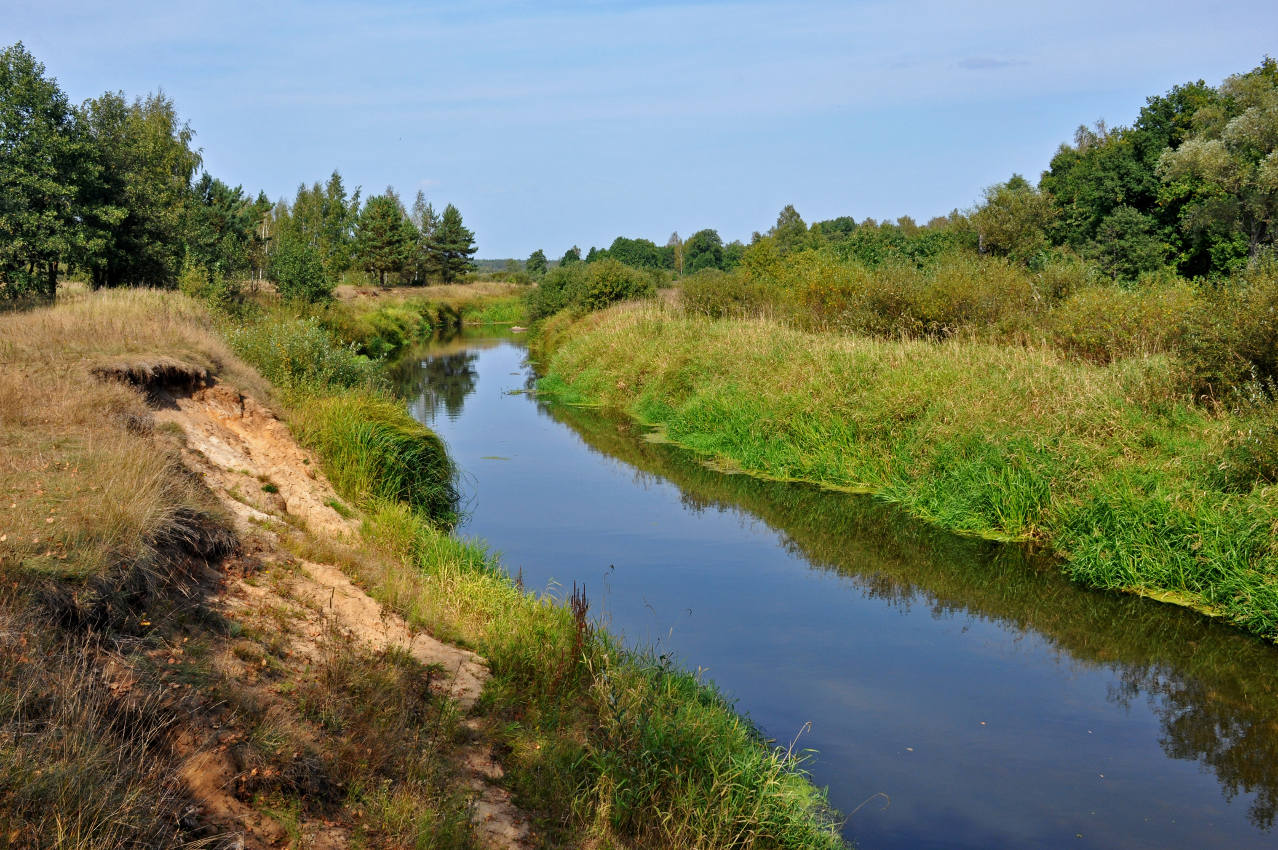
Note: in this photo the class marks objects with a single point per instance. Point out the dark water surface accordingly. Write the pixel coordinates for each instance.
(992, 703)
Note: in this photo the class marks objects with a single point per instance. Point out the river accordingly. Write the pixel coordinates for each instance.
(956, 693)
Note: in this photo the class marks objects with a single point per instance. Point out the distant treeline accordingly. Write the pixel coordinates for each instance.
(1190, 188)
(113, 191)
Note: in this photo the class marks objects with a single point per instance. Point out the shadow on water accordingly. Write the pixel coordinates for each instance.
(1141, 670)
(1212, 688)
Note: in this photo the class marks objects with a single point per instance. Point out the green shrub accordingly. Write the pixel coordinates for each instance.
(608, 281)
(372, 449)
(298, 272)
(1106, 323)
(300, 354)
(554, 293)
(590, 286)
(218, 291)
(1233, 337)
(718, 295)
(1250, 455)
(954, 293)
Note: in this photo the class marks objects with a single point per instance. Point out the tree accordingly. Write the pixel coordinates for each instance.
(425, 258)
(834, 229)
(675, 245)
(703, 250)
(1013, 220)
(42, 176)
(384, 237)
(453, 246)
(536, 264)
(594, 254)
(323, 218)
(138, 206)
(1226, 176)
(732, 254)
(637, 253)
(221, 227)
(790, 233)
(299, 273)
(572, 255)
(1127, 244)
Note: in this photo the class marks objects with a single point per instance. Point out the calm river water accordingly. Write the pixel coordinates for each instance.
(957, 693)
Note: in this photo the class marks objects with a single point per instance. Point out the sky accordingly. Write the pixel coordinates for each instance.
(551, 123)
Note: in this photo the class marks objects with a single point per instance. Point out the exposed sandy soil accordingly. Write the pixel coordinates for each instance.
(238, 446)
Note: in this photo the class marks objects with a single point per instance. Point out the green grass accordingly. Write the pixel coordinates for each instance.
(1111, 465)
(507, 310)
(372, 449)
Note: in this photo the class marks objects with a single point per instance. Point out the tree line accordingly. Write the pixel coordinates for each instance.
(1189, 189)
(114, 191)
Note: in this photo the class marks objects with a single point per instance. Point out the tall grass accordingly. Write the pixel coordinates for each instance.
(372, 449)
(1113, 465)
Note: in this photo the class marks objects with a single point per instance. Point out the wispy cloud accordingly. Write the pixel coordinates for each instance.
(988, 63)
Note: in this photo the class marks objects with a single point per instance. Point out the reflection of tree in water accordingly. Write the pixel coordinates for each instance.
(438, 381)
(1213, 689)
(1222, 725)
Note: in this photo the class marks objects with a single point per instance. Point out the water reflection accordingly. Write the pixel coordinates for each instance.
(1213, 689)
(439, 380)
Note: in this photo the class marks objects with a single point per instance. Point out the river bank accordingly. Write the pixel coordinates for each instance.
(354, 741)
(1109, 466)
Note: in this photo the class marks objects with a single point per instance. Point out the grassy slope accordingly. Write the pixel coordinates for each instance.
(1108, 464)
(113, 667)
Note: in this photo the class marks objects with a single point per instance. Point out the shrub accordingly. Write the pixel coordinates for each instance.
(554, 293)
(1106, 323)
(717, 294)
(298, 272)
(591, 286)
(608, 281)
(299, 354)
(1233, 337)
(216, 290)
(898, 298)
(1250, 455)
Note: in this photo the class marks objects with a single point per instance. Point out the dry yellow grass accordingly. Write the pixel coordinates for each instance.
(449, 292)
(85, 480)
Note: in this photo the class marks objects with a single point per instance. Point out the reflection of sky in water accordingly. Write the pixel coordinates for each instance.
(993, 703)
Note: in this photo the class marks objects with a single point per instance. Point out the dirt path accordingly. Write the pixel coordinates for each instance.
(250, 460)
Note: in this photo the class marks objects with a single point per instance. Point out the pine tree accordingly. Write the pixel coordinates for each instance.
(384, 237)
(452, 246)
(426, 220)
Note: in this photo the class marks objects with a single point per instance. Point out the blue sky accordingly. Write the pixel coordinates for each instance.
(554, 123)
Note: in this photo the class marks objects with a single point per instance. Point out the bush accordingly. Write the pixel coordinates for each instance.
(1106, 323)
(1250, 455)
(897, 299)
(1233, 337)
(218, 291)
(720, 294)
(299, 354)
(591, 286)
(608, 281)
(298, 272)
